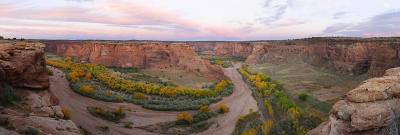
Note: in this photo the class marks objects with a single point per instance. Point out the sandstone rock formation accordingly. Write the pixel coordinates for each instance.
(373, 108)
(22, 64)
(346, 55)
(140, 54)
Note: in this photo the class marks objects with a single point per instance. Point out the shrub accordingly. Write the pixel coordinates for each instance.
(88, 76)
(1, 37)
(87, 89)
(205, 109)
(114, 116)
(128, 125)
(66, 113)
(303, 96)
(7, 95)
(184, 117)
(49, 72)
(219, 62)
(108, 92)
(120, 110)
(222, 108)
(139, 96)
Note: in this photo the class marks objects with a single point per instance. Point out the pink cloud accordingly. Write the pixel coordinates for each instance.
(380, 34)
(122, 13)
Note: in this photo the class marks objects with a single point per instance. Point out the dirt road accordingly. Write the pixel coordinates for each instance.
(239, 103)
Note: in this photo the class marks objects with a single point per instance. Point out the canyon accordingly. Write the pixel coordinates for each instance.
(370, 108)
(345, 55)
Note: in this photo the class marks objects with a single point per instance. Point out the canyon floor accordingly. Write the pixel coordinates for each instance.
(239, 103)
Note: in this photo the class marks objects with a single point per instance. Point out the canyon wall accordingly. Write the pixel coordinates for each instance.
(22, 64)
(346, 55)
(140, 54)
(370, 109)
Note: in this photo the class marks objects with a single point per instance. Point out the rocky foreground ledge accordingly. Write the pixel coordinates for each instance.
(22, 64)
(373, 108)
(23, 74)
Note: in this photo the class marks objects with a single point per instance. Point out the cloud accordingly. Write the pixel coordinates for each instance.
(339, 15)
(275, 9)
(386, 24)
(79, 0)
(143, 22)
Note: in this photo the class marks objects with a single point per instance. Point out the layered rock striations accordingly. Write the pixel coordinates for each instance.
(373, 108)
(346, 55)
(160, 55)
(22, 64)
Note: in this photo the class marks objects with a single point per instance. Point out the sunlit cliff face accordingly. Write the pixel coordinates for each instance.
(197, 20)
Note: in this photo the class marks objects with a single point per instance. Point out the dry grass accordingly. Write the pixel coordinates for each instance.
(300, 77)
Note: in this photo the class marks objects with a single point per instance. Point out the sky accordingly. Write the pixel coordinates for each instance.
(234, 20)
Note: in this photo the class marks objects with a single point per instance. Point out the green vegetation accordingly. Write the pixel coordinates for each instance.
(221, 62)
(303, 96)
(125, 70)
(276, 105)
(8, 95)
(49, 72)
(67, 113)
(251, 124)
(114, 116)
(301, 77)
(185, 123)
(1, 37)
(128, 125)
(96, 81)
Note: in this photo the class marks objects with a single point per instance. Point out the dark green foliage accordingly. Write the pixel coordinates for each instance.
(31, 131)
(113, 116)
(14, 39)
(198, 116)
(1, 37)
(125, 70)
(7, 95)
(128, 125)
(247, 122)
(303, 96)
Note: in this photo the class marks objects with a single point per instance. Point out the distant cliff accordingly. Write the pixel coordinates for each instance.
(141, 54)
(346, 55)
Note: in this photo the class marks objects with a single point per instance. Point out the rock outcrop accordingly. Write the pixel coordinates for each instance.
(373, 108)
(22, 64)
(140, 54)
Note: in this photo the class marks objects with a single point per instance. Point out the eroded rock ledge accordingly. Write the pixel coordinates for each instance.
(373, 108)
(22, 64)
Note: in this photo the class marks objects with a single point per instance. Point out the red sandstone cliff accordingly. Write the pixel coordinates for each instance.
(370, 109)
(347, 55)
(161, 55)
(22, 64)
